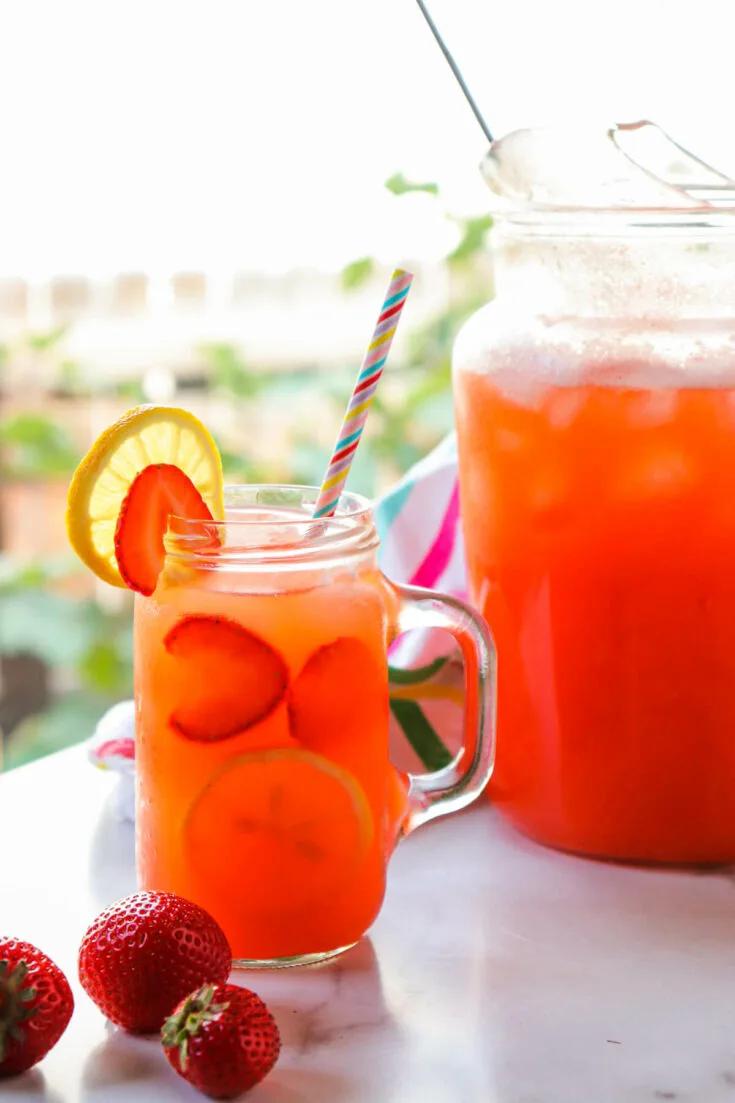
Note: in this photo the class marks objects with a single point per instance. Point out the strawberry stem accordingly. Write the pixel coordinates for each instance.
(12, 997)
(186, 1023)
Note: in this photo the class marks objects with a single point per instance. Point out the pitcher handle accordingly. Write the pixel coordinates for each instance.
(455, 786)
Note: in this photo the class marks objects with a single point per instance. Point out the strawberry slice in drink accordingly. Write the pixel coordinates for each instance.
(232, 678)
(340, 695)
(158, 492)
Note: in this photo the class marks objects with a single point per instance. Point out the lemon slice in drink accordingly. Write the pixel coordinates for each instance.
(145, 436)
(275, 830)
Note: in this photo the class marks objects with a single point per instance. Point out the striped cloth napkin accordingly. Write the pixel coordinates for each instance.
(420, 544)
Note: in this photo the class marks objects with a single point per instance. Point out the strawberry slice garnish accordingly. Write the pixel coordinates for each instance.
(158, 492)
(233, 678)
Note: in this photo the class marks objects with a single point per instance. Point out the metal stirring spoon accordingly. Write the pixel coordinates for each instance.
(455, 69)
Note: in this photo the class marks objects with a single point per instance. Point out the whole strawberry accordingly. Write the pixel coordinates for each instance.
(142, 955)
(36, 1004)
(222, 1039)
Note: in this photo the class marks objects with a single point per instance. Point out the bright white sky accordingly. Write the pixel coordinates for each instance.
(225, 134)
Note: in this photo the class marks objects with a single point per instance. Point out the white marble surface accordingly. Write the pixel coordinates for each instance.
(498, 972)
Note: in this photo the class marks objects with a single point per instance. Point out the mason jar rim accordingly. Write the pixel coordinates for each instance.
(250, 496)
(255, 513)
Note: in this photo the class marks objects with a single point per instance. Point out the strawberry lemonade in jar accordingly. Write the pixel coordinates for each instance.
(264, 787)
(262, 697)
(595, 406)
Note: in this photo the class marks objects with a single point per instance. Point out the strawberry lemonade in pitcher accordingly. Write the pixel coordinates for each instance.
(595, 406)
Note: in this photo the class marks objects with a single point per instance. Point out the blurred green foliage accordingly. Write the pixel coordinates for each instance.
(86, 644)
(88, 648)
(34, 446)
(43, 342)
(399, 185)
(357, 273)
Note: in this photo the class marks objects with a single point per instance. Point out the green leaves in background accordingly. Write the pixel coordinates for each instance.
(131, 390)
(69, 720)
(67, 633)
(42, 342)
(70, 377)
(35, 446)
(55, 629)
(93, 647)
(398, 184)
(229, 372)
(18, 574)
(240, 468)
(472, 241)
(358, 273)
(308, 461)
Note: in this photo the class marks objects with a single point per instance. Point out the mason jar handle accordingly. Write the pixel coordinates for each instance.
(455, 786)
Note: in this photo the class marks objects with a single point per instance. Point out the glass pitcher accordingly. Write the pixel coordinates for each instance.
(595, 408)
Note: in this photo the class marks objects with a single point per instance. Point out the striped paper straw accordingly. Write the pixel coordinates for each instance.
(363, 394)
